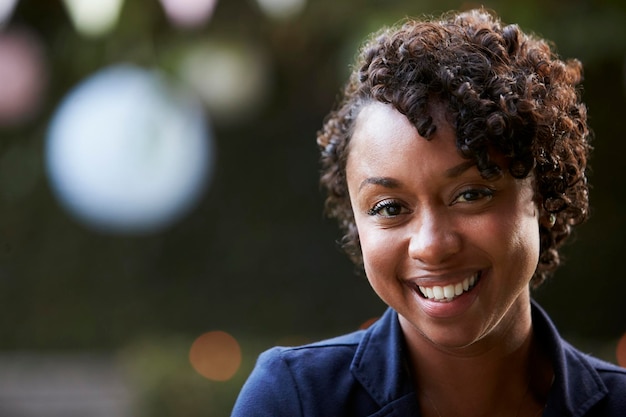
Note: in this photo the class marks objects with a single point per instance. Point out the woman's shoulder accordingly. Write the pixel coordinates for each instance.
(613, 376)
(336, 350)
(318, 357)
(355, 374)
(614, 379)
(609, 373)
(597, 380)
(584, 384)
(315, 377)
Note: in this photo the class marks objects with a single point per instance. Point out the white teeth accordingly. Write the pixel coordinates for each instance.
(449, 292)
(438, 293)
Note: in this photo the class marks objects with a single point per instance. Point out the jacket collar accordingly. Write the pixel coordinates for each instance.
(577, 385)
(380, 365)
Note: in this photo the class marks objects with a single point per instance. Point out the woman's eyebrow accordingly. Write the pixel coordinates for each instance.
(382, 181)
(388, 182)
(457, 170)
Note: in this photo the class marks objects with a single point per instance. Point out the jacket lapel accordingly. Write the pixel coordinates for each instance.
(380, 366)
(577, 386)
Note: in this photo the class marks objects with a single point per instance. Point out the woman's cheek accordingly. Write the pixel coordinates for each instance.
(381, 250)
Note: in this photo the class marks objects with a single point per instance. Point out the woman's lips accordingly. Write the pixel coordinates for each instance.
(447, 293)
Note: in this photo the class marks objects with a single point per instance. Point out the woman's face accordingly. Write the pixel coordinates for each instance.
(450, 251)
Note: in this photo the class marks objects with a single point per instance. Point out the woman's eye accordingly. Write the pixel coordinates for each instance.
(472, 195)
(386, 208)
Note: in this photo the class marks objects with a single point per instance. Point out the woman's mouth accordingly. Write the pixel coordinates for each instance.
(449, 292)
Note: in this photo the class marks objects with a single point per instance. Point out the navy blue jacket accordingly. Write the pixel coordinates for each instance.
(366, 374)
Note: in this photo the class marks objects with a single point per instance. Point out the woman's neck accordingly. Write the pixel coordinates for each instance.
(491, 377)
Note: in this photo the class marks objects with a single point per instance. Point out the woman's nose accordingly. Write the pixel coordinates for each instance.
(434, 239)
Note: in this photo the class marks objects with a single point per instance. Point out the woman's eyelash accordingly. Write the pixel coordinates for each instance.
(474, 194)
(392, 207)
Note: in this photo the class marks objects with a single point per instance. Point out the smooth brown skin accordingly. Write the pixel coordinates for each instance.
(427, 217)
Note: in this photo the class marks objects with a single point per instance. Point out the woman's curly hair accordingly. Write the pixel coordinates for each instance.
(504, 91)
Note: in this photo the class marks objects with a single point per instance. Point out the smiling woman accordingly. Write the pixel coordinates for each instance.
(456, 167)
(432, 226)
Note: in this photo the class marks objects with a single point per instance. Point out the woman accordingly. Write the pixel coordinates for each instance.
(455, 165)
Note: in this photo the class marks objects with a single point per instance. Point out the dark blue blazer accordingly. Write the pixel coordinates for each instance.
(366, 374)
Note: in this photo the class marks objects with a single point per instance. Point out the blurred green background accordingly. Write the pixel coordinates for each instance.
(255, 257)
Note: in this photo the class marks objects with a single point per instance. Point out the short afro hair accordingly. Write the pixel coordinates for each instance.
(503, 89)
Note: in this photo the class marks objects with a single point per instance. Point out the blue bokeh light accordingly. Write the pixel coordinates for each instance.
(127, 152)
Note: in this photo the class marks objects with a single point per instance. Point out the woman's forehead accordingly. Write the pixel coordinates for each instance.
(384, 130)
(382, 121)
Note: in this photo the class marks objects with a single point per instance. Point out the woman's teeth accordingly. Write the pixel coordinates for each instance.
(449, 292)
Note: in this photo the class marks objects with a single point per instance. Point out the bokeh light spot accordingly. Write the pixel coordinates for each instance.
(215, 355)
(282, 9)
(188, 13)
(368, 323)
(127, 152)
(6, 10)
(94, 18)
(232, 78)
(23, 75)
(621, 351)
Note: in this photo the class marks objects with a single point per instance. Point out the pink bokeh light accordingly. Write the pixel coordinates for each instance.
(23, 75)
(189, 13)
